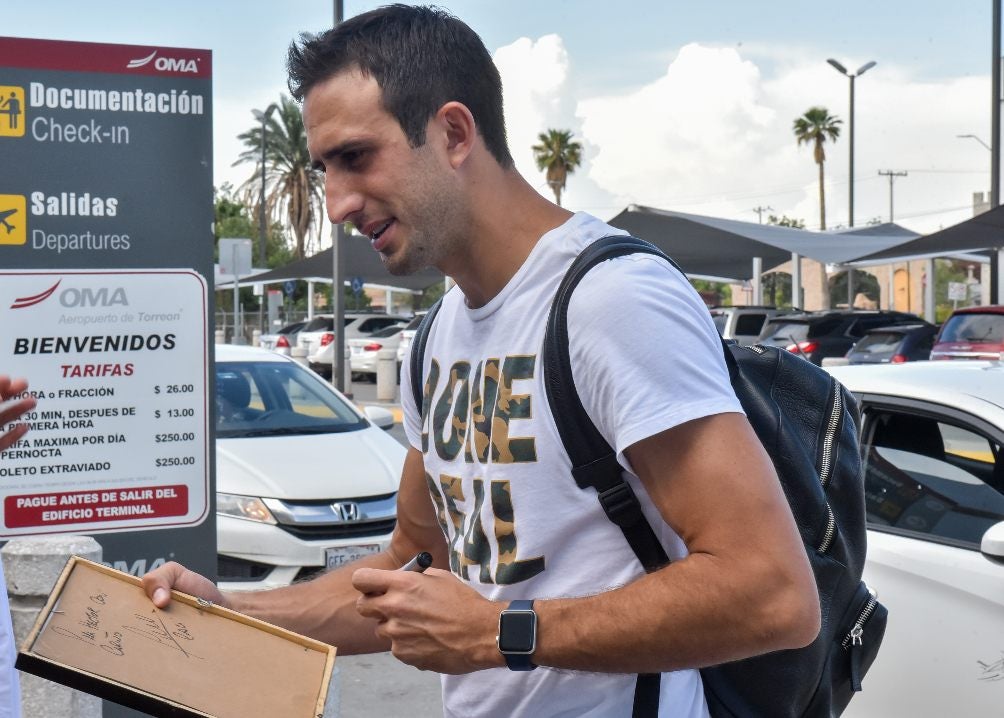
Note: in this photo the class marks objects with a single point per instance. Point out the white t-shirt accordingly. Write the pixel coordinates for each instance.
(10, 688)
(645, 357)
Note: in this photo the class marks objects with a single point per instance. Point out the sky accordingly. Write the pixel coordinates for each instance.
(679, 105)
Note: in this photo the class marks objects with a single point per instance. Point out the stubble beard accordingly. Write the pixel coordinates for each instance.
(436, 234)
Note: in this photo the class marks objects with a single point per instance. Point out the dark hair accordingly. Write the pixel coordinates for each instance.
(421, 57)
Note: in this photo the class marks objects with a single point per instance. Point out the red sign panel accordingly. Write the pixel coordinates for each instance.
(98, 505)
(95, 57)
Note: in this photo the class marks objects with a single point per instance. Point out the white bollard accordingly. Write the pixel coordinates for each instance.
(221, 336)
(347, 372)
(256, 338)
(32, 566)
(386, 374)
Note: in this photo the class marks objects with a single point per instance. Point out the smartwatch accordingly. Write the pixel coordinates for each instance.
(517, 636)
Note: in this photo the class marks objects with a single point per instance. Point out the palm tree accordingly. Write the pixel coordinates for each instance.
(559, 155)
(291, 186)
(814, 127)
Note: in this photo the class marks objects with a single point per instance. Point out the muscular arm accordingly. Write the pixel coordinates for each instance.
(745, 588)
(325, 608)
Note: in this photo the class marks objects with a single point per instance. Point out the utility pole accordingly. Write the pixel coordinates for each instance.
(892, 176)
(759, 212)
(995, 143)
(337, 287)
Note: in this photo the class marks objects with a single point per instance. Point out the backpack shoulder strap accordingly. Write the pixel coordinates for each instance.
(418, 343)
(594, 462)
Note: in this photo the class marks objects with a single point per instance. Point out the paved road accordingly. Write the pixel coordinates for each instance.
(378, 685)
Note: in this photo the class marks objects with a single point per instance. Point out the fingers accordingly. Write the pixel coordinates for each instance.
(11, 437)
(13, 410)
(158, 584)
(374, 580)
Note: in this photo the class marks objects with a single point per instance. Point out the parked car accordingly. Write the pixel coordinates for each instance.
(894, 345)
(304, 480)
(283, 340)
(971, 333)
(743, 323)
(817, 335)
(318, 335)
(934, 489)
(363, 352)
(408, 334)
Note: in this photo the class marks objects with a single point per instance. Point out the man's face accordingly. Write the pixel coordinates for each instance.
(404, 199)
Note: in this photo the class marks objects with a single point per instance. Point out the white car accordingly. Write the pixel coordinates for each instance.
(283, 340)
(363, 352)
(934, 490)
(304, 480)
(407, 335)
(317, 337)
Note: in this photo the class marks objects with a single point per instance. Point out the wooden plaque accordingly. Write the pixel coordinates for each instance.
(99, 633)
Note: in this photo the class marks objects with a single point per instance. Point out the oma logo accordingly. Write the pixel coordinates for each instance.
(88, 297)
(170, 64)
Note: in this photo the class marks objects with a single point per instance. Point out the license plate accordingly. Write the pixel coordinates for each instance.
(341, 555)
(357, 350)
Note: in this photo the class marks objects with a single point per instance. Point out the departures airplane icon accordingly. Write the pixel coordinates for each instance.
(3, 219)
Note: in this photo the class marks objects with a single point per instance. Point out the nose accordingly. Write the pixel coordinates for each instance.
(343, 202)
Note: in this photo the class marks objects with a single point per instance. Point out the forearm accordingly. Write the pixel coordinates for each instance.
(696, 612)
(323, 608)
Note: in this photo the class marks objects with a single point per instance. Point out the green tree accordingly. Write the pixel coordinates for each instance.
(558, 156)
(233, 218)
(292, 187)
(814, 127)
(786, 221)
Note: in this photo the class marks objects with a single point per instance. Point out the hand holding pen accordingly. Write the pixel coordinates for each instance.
(421, 562)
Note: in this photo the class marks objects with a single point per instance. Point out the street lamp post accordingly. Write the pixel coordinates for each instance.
(850, 187)
(262, 228)
(851, 75)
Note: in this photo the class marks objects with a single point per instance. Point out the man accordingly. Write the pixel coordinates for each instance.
(403, 112)
(11, 409)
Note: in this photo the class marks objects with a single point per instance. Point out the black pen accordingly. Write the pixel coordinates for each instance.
(421, 562)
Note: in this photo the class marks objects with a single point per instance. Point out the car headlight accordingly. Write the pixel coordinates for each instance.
(244, 507)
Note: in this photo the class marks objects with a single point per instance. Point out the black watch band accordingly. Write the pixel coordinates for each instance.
(517, 636)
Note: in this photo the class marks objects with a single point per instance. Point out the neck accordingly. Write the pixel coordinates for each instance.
(508, 218)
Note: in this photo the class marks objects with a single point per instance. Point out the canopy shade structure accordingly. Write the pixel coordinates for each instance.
(360, 261)
(717, 247)
(981, 232)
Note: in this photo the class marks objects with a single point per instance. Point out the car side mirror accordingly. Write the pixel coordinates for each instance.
(385, 420)
(992, 545)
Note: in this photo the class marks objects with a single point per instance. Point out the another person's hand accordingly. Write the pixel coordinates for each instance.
(433, 620)
(159, 582)
(9, 388)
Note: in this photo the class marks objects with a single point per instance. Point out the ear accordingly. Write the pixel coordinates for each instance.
(456, 125)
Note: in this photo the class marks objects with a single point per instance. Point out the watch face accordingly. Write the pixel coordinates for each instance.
(517, 632)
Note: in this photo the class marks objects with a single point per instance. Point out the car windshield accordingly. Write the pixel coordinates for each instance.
(415, 321)
(719, 318)
(277, 398)
(785, 332)
(879, 343)
(387, 331)
(974, 328)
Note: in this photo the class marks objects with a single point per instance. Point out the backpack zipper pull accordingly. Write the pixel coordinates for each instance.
(856, 659)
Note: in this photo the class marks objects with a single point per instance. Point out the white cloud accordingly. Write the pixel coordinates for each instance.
(534, 77)
(713, 135)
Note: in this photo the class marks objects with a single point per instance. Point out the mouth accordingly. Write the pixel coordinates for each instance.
(378, 232)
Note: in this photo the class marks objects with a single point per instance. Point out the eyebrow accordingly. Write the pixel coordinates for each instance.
(338, 150)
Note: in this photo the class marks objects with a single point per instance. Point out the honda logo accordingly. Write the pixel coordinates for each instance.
(346, 511)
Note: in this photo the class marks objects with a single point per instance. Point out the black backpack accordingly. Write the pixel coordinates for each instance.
(809, 424)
